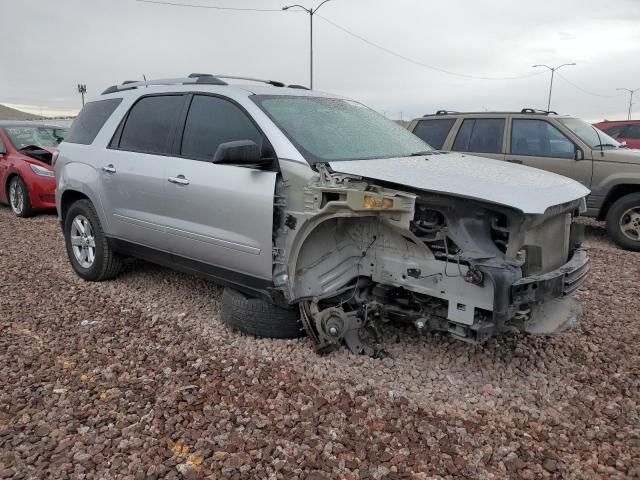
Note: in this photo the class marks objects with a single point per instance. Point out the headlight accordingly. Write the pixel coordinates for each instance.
(43, 172)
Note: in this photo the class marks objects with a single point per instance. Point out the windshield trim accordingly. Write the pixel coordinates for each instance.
(307, 155)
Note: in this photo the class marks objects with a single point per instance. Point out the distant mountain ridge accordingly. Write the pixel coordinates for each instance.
(8, 113)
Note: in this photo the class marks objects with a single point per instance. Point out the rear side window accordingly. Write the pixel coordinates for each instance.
(482, 135)
(90, 120)
(539, 138)
(151, 123)
(614, 131)
(212, 121)
(633, 132)
(434, 132)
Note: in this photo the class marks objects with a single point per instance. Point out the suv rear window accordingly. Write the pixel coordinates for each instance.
(90, 120)
(482, 135)
(434, 132)
(150, 125)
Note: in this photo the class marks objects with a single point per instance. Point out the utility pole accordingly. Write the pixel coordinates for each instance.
(631, 92)
(311, 12)
(82, 89)
(553, 71)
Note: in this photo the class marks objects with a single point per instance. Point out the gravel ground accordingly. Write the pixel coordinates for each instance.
(138, 378)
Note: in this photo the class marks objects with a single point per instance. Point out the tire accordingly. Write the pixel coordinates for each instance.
(625, 211)
(259, 317)
(18, 196)
(104, 263)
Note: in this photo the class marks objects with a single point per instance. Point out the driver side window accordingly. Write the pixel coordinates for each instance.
(539, 138)
(212, 121)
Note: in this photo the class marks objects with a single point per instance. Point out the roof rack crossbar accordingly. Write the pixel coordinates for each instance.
(537, 110)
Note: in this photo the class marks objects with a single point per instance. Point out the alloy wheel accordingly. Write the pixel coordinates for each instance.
(16, 197)
(630, 223)
(83, 241)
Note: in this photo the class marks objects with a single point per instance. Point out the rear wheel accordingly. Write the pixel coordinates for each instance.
(623, 222)
(87, 246)
(259, 317)
(19, 198)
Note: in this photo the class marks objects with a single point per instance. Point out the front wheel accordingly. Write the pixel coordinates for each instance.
(19, 198)
(259, 317)
(623, 222)
(89, 252)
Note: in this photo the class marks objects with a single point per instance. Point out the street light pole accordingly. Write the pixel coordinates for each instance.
(311, 12)
(553, 71)
(631, 92)
(82, 89)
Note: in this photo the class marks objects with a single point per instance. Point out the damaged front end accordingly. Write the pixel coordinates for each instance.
(356, 253)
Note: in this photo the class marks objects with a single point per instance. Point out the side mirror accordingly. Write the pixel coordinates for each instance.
(578, 154)
(240, 152)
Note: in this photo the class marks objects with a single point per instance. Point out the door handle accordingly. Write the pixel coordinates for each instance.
(180, 180)
(109, 168)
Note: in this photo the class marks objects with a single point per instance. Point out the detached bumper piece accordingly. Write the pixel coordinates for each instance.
(555, 284)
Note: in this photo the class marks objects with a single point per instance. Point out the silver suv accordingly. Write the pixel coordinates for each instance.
(318, 214)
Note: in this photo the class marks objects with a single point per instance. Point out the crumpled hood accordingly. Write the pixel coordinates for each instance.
(621, 155)
(527, 189)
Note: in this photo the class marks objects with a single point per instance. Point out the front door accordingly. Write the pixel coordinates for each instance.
(220, 215)
(537, 143)
(134, 169)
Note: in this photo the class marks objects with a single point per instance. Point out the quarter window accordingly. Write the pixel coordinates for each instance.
(151, 123)
(434, 132)
(482, 135)
(212, 121)
(539, 138)
(90, 120)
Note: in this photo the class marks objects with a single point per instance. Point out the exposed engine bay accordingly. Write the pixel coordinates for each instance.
(355, 254)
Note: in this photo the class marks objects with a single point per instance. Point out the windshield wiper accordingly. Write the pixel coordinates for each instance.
(421, 153)
(605, 145)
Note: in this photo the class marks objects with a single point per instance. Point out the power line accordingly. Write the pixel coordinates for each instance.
(211, 7)
(586, 91)
(416, 62)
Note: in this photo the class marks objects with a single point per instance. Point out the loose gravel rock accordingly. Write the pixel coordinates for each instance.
(138, 378)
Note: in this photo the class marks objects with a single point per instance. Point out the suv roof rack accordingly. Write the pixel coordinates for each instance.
(193, 78)
(442, 112)
(537, 110)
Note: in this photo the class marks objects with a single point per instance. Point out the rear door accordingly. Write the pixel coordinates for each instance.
(220, 215)
(134, 170)
(482, 137)
(538, 143)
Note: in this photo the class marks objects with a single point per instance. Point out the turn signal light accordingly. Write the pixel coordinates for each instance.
(372, 201)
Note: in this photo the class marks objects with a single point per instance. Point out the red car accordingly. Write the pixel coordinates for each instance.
(26, 174)
(623, 131)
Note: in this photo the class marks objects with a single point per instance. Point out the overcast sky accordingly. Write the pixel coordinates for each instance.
(51, 46)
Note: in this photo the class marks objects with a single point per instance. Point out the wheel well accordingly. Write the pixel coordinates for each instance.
(615, 194)
(69, 198)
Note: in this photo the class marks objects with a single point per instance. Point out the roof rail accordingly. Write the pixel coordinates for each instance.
(536, 110)
(193, 78)
(443, 112)
(275, 83)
